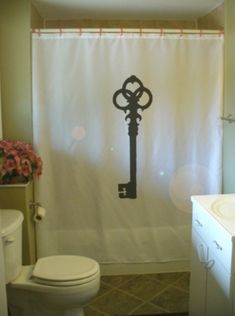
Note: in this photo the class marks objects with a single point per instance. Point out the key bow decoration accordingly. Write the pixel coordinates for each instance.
(133, 96)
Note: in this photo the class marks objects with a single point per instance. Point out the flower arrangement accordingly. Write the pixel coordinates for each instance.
(18, 162)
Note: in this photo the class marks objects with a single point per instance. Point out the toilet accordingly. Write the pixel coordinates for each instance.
(55, 286)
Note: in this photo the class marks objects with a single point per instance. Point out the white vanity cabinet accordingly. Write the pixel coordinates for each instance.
(212, 274)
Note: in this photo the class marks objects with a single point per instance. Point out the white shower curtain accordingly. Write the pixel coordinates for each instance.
(83, 140)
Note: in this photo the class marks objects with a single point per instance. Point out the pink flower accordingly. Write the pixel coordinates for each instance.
(6, 144)
(39, 167)
(10, 165)
(26, 169)
(18, 159)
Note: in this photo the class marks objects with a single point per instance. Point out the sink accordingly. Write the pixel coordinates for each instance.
(224, 208)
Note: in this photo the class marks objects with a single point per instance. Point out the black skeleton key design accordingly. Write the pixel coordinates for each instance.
(133, 96)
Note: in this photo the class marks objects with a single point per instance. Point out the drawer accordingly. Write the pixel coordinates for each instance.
(200, 222)
(220, 244)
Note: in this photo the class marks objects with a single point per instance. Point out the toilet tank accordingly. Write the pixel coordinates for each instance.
(11, 234)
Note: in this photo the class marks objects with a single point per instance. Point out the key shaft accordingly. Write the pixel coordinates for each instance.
(132, 97)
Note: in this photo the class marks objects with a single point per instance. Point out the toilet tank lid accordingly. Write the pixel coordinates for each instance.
(10, 220)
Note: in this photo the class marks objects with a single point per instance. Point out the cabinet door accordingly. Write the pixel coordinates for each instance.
(219, 289)
(198, 276)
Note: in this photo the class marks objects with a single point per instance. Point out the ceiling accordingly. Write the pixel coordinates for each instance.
(125, 9)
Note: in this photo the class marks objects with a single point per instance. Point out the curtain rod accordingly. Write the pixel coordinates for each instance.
(127, 31)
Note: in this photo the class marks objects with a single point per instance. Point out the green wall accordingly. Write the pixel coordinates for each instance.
(229, 94)
(15, 73)
(15, 69)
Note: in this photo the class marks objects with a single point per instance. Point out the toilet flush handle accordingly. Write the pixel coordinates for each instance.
(9, 240)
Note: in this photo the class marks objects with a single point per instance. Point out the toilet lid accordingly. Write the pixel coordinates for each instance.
(65, 268)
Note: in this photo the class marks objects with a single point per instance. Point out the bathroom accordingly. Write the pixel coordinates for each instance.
(15, 22)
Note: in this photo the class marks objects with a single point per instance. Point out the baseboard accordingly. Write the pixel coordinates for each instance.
(144, 268)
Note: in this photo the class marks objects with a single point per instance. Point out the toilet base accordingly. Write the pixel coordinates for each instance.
(24, 304)
(27, 298)
(29, 311)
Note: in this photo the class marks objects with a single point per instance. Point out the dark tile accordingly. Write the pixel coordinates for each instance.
(104, 288)
(143, 287)
(172, 299)
(148, 294)
(148, 309)
(88, 311)
(167, 278)
(116, 280)
(183, 282)
(115, 302)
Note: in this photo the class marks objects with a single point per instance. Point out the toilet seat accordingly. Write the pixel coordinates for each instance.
(65, 270)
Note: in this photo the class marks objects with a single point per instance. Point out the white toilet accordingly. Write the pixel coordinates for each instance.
(54, 286)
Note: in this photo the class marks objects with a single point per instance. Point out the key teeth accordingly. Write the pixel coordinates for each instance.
(123, 190)
(126, 190)
(122, 195)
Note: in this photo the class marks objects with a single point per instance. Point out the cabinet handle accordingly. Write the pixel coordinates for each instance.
(198, 222)
(201, 254)
(209, 264)
(217, 245)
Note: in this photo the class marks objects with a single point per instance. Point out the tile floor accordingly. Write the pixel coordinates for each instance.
(147, 294)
